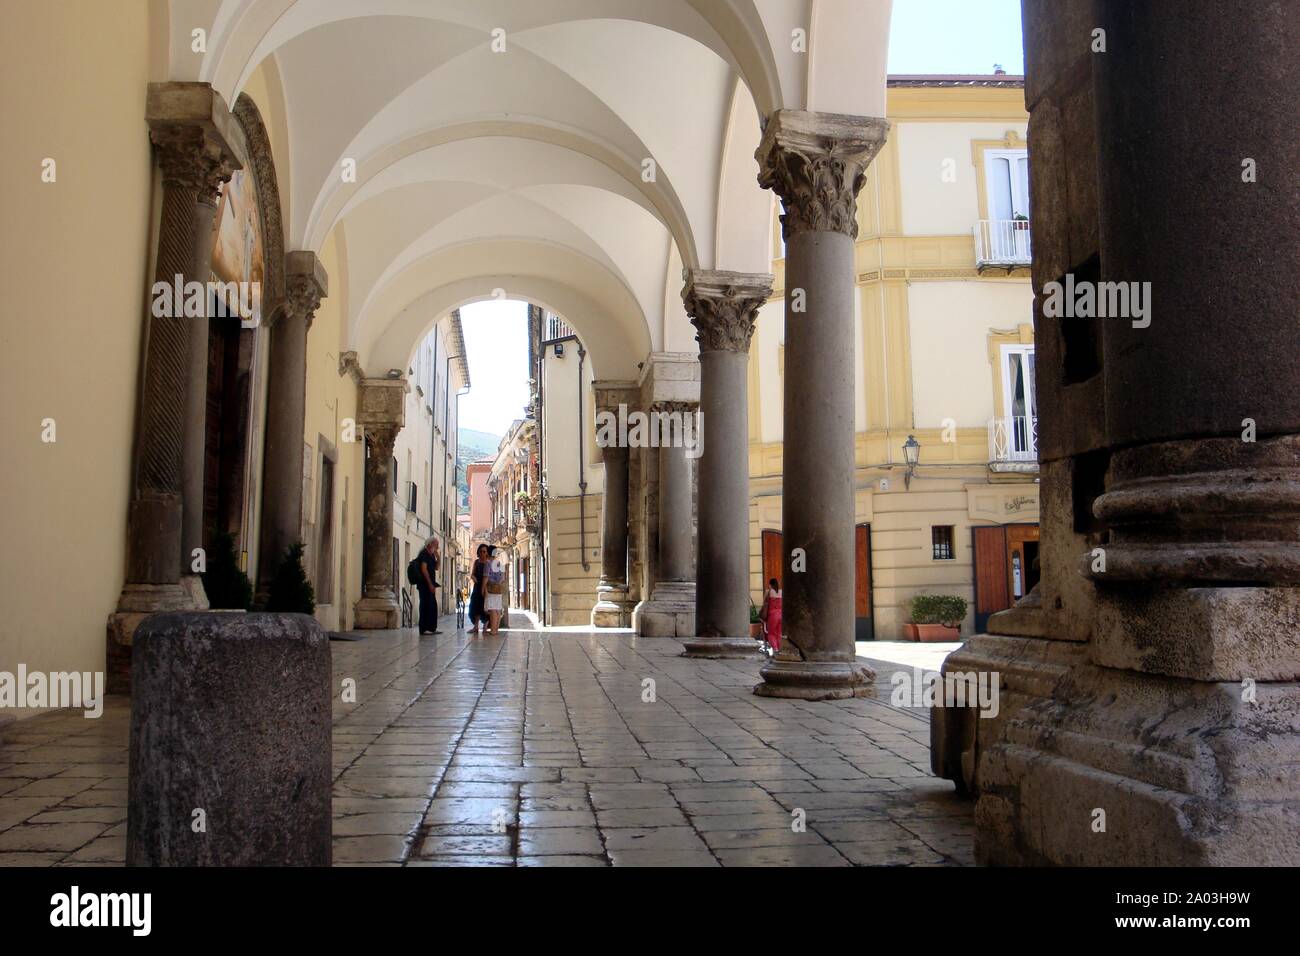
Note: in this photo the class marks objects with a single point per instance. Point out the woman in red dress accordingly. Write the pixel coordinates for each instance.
(771, 614)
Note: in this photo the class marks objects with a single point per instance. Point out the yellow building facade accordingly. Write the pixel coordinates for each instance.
(944, 351)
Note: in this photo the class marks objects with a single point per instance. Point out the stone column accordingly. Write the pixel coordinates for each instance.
(196, 140)
(816, 163)
(670, 387)
(381, 411)
(723, 307)
(282, 505)
(614, 401)
(1172, 448)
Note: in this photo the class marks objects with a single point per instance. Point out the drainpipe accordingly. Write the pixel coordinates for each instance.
(582, 465)
(540, 372)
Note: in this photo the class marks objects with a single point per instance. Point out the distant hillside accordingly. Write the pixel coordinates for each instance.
(473, 446)
(483, 443)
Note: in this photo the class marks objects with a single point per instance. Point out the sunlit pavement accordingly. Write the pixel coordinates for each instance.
(555, 747)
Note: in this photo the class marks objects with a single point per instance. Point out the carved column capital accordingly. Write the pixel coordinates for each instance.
(306, 283)
(198, 141)
(382, 439)
(679, 408)
(381, 409)
(816, 163)
(723, 307)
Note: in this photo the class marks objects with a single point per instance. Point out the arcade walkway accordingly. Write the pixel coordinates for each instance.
(547, 748)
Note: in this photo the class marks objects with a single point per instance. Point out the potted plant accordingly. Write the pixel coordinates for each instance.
(935, 618)
(755, 623)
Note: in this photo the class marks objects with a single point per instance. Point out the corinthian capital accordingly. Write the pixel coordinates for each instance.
(382, 439)
(723, 307)
(306, 283)
(198, 141)
(816, 163)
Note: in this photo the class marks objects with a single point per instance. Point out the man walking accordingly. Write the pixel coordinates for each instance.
(428, 585)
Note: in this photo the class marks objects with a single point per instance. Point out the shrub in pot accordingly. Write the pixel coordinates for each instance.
(291, 591)
(755, 623)
(224, 581)
(935, 617)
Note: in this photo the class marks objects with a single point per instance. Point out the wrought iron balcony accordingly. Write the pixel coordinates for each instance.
(1002, 243)
(1013, 440)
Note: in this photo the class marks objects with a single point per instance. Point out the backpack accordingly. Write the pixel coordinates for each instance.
(496, 577)
(413, 574)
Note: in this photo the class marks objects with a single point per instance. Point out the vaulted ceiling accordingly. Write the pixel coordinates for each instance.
(577, 153)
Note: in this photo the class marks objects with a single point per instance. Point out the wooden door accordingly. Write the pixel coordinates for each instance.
(864, 619)
(992, 593)
(773, 558)
(1022, 559)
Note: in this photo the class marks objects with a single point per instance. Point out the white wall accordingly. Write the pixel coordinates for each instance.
(949, 326)
(931, 206)
(560, 425)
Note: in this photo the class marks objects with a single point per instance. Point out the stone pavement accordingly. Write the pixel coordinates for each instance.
(539, 748)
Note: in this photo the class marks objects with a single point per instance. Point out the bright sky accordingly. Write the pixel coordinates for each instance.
(926, 36)
(496, 344)
(955, 36)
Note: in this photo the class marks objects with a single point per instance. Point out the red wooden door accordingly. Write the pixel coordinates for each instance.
(992, 593)
(864, 620)
(773, 559)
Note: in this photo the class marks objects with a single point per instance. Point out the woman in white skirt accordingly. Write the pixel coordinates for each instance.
(494, 602)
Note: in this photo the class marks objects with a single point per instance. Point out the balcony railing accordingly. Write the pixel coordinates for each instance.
(1002, 242)
(1013, 439)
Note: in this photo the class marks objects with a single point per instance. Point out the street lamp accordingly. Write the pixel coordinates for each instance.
(911, 455)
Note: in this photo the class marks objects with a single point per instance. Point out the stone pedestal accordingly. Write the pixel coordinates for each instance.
(816, 163)
(381, 411)
(197, 147)
(230, 760)
(723, 307)
(282, 505)
(670, 611)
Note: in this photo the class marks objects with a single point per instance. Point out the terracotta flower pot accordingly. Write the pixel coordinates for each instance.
(756, 631)
(931, 633)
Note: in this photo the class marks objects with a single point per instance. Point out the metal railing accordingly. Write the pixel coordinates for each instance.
(1002, 242)
(556, 327)
(1013, 439)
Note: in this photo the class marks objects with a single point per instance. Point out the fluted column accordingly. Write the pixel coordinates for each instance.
(282, 505)
(381, 411)
(723, 307)
(193, 134)
(816, 163)
(614, 400)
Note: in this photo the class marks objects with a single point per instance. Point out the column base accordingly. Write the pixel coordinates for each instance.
(376, 614)
(613, 609)
(715, 648)
(814, 680)
(670, 611)
(193, 586)
(1127, 769)
(1026, 670)
(137, 602)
